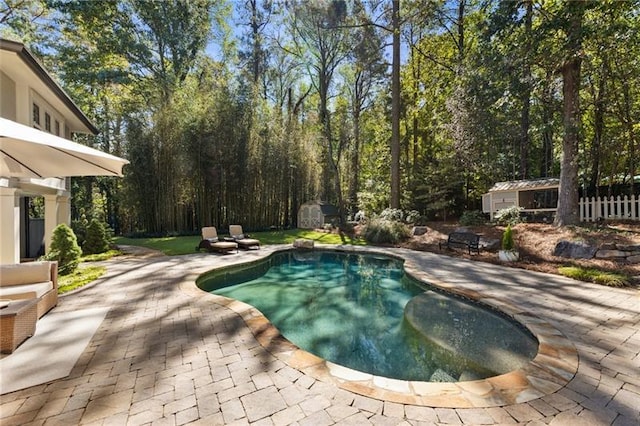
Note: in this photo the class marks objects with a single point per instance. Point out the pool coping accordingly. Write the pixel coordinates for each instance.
(554, 365)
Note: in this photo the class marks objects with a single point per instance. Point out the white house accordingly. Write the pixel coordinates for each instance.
(536, 196)
(37, 120)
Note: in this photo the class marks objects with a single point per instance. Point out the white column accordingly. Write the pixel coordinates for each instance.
(64, 210)
(9, 226)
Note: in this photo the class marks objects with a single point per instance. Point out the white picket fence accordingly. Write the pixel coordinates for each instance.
(597, 208)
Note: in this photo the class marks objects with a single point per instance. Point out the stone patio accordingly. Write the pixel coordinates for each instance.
(169, 354)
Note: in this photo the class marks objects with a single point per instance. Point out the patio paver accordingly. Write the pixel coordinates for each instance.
(166, 354)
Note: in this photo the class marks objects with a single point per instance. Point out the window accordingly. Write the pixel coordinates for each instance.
(57, 128)
(47, 122)
(36, 114)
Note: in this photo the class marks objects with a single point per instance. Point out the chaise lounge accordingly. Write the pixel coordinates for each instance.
(241, 238)
(211, 242)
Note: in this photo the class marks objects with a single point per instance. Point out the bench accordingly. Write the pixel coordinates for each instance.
(467, 240)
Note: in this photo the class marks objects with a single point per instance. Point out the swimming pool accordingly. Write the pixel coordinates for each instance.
(363, 312)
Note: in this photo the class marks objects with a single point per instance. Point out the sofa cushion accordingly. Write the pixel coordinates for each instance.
(26, 291)
(25, 273)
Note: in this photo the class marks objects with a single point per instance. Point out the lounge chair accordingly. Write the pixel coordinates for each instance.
(241, 238)
(210, 242)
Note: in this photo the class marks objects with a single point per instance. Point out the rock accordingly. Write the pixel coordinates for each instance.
(489, 243)
(419, 230)
(608, 246)
(629, 247)
(634, 259)
(574, 250)
(302, 243)
(610, 254)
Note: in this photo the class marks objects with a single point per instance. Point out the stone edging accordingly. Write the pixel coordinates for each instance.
(553, 367)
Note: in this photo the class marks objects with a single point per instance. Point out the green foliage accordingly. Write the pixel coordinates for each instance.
(593, 275)
(79, 227)
(64, 248)
(481, 106)
(381, 231)
(509, 216)
(507, 239)
(392, 215)
(101, 256)
(97, 240)
(79, 278)
(472, 218)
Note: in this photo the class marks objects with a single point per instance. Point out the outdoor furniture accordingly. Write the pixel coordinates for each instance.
(467, 240)
(241, 238)
(17, 323)
(211, 242)
(31, 280)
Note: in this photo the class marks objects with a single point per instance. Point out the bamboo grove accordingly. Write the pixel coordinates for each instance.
(239, 111)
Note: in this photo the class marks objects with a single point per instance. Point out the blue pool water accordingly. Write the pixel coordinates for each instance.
(350, 309)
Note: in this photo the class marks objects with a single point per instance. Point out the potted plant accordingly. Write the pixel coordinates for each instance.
(508, 252)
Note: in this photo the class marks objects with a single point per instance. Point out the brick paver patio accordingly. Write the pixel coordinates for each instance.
(163, 355)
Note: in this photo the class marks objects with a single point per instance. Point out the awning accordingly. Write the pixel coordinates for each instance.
(31, 153)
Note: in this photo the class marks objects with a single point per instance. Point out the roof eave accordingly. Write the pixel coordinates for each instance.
(35, 66)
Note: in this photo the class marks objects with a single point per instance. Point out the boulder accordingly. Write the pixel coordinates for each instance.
(608, 246)
(574, 250)
(633, 259)
(630, 247)
(489, 243)
(611, 254)
(419, 230)
(303, 244)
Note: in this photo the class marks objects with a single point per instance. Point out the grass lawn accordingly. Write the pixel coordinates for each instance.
(172, 246)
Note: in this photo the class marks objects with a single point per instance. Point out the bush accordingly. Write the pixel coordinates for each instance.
(380, 231)
(509, 216)
(413, 217)
(64, 248)
(507, 239)
(392, 215)
(97, 240)
(597, 276)
(472, 218)
(79, 228)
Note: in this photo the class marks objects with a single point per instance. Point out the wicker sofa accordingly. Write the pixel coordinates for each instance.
(38, 280)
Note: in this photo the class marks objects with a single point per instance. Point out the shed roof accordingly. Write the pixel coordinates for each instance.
(525, 184)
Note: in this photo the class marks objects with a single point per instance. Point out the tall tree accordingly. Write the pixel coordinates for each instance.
(395, 106)
(567, 213)
(320, 41)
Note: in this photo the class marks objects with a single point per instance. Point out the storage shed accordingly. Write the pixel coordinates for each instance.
(536, 196)
(314, 214)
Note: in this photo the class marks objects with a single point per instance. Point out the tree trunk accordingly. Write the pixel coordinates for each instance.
(547, 131)
(567, 213)
(526, 96)
(395, 108)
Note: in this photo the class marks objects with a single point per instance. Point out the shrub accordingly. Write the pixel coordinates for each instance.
(507, 239)
(79, 228)
(597, 276)
(413, 216)
(472, 218)
(509, 216)
(381, 231)
(97, 240)
(64, 248)
(392, 215)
